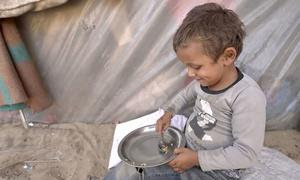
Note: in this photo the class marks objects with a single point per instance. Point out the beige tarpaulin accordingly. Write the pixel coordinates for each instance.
(112, 60)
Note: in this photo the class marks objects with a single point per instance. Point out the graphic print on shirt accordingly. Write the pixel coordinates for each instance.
(204, 121)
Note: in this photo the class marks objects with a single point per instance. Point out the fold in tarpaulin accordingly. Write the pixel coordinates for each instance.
(13, 8)
(20, 83)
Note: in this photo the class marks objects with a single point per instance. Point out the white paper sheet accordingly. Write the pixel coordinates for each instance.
(125, 128)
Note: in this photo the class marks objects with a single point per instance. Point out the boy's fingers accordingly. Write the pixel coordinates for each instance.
(165, 126)
(161, 125)
(172, 163)
(178, 170)
(158, 126)
(178, 151)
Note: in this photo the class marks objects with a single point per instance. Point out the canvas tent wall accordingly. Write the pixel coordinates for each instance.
(108, 61)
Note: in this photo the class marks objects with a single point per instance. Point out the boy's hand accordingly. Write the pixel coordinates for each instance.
(163, 122)
(185, 159)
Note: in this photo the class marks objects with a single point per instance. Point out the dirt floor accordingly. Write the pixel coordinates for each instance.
(80, 151)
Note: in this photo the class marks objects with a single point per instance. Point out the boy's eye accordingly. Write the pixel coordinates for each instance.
(196, 67)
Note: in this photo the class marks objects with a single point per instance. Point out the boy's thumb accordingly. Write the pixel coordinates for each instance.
(179, 150)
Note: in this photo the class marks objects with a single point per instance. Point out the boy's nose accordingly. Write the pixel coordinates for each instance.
(191, 72)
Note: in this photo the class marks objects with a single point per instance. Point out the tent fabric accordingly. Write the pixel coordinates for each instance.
(109, 61)
(20, 82)
(13, 8)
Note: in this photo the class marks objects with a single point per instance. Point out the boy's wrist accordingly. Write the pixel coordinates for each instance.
(168, 109)
(196, 159)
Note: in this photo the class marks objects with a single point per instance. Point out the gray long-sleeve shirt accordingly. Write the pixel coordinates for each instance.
(226, 127)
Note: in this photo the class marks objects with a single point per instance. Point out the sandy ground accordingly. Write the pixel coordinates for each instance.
(80, 151)
(58, 152)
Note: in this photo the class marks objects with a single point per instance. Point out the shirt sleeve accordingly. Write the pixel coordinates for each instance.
(248, 130)
(183, 98)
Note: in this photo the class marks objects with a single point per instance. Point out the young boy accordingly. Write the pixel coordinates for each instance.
(225, 132)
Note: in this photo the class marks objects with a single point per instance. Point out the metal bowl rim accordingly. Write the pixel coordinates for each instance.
(182, 143)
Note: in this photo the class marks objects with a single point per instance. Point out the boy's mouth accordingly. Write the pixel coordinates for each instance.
(199, 79)
(202, 81)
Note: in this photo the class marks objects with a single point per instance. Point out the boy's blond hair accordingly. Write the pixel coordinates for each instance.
(215, 27)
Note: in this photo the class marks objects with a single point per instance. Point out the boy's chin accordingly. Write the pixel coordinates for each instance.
(201, 82)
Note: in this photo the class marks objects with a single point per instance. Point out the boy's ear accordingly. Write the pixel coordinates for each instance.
(229, 55)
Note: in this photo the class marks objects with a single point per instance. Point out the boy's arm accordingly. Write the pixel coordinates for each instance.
(248, 129)
(180, 100)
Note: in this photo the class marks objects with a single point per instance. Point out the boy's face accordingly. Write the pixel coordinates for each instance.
(200, 66)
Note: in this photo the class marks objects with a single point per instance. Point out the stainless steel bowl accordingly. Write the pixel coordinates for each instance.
(140, 147)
